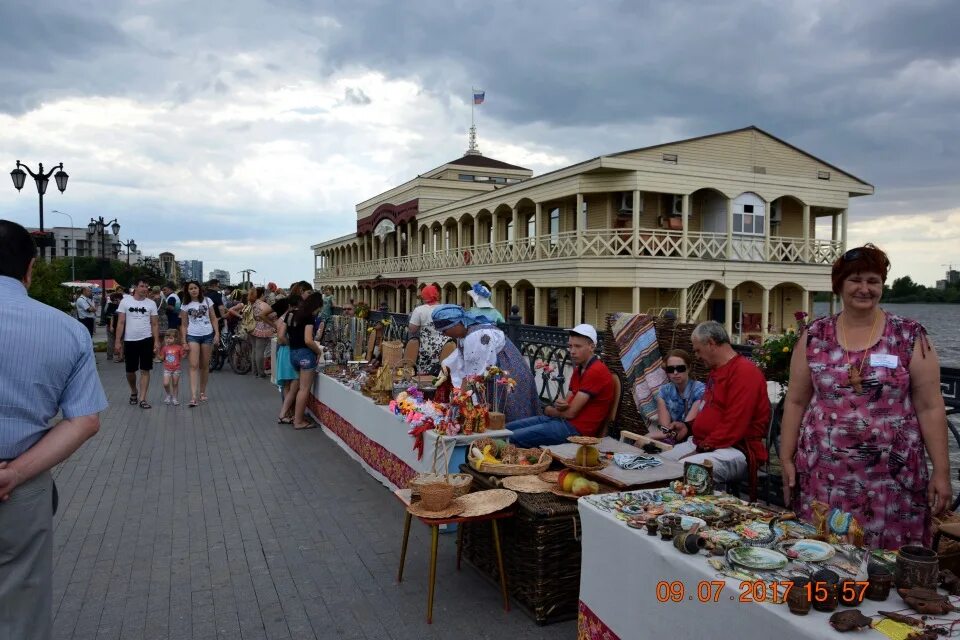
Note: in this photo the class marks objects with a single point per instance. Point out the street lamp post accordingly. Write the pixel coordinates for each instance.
(42, 179)
(100, 226)
(131, 246)
(73, 271)
(247, 273)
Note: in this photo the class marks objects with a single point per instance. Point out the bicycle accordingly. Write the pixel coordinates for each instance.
(220, 353)
(240, 355)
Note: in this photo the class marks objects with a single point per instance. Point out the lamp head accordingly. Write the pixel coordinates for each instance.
(19, 177)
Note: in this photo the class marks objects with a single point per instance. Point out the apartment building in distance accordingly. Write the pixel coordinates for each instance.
(722, 227)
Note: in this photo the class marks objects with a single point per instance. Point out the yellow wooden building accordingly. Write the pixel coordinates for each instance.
(718, 227)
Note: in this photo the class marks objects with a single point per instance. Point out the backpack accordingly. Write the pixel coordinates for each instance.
(247, 322)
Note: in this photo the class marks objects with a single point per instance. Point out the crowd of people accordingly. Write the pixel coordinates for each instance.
(863, 412)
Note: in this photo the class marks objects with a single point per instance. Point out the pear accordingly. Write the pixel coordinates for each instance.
(588, 456)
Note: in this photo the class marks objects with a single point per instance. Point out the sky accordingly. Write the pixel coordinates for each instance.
(240, 133)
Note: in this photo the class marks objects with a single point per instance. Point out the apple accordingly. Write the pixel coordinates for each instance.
(567, 479)
(583, 487)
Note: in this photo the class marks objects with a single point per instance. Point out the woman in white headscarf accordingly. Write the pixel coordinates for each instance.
(482, 303)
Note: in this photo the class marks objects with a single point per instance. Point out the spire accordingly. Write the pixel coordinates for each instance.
(472, 149)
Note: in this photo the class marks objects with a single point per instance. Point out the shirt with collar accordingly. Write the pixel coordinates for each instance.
(46, 366)
(594, 379)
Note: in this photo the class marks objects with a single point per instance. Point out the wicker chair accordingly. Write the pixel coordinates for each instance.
(611, 420)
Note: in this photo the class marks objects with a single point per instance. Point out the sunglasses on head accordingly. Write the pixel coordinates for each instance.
(680, 368)
(853, 254)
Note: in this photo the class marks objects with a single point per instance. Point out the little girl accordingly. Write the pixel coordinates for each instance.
(171, 353)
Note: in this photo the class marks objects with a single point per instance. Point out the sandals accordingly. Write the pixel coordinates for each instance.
(145, 405)
(203, 397)
(309, 425)
(133, 398)
(284, 420)
(192, 403)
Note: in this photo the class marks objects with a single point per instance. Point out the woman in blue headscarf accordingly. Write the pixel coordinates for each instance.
(480, 344)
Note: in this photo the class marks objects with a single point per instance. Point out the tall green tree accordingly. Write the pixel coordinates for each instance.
(45, 285)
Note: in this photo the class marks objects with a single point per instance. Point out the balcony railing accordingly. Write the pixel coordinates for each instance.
(602, 243)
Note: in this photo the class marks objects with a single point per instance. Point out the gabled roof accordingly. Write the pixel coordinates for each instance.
(749, 128)
(476, 160)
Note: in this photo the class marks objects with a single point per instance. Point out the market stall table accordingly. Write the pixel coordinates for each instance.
(659, 475)
(377, 438)
(621, 569)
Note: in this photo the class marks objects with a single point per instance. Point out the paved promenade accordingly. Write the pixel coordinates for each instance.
(216, 522)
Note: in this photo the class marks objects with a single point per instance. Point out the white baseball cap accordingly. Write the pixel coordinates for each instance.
(586, 331)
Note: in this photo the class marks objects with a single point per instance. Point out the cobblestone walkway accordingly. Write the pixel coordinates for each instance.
(216, 522)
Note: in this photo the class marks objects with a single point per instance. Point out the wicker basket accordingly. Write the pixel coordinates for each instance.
(436, 496)
(507, 469)
(460, 481)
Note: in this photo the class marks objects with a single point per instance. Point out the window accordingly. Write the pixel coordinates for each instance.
(466, 177)
(748, 219)
(499, 180)
(554, 226)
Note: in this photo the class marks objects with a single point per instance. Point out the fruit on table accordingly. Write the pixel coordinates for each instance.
(566, 479)
(584, 487)
(588, 456)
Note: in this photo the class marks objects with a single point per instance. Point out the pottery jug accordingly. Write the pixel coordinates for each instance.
(880, 580)
(824, 592)
(916, 567)
(798, 598)
(689, 542)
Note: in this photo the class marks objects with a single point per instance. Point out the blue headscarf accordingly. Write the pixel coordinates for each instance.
(450, 315)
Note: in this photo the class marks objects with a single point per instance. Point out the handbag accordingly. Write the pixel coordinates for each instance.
(247, 321)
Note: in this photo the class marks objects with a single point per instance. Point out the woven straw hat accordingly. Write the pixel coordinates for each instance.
(480, 503)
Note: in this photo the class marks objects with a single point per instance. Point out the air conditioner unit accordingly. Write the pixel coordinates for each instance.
(775, 212)
(626, 202)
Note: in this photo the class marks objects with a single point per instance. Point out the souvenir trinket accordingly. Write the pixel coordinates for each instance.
(926, 601)
(691, 542)
(666, 533)
(950, 582)
(757, 558)
(824, 585)
(798, 598)
(849, 621)
(652, 527)
(880, 580)
(849, 593)
(916, 567)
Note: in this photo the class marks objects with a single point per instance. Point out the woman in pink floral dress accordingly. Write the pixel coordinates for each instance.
(863, 407)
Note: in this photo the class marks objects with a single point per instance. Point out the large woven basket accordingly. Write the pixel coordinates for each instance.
(436, 496)
(510, 467)
(460, 481)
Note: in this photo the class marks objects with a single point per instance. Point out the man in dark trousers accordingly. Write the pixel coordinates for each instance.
(47, 366)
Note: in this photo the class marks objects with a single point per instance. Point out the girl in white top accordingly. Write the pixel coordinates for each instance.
(199, 331)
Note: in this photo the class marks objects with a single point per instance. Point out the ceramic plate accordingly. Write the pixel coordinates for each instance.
(685, 521)
(757, 529)
(757, 558)
(702, 510)
(812, 550)
(722, 537)
(797, 529)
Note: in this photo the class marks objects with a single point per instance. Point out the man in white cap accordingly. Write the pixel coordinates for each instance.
(482, 305)
(583, 411)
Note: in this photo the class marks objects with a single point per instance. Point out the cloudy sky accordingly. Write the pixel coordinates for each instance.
(241, 132)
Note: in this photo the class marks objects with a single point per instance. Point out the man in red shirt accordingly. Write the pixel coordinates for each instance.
(584, 409)
(734, 410)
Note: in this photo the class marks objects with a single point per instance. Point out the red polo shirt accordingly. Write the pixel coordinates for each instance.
(597, 382)
(735, 408)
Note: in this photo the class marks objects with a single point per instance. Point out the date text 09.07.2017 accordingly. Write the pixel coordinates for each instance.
(751, 591)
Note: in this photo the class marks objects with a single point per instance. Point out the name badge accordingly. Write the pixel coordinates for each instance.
(885, 360)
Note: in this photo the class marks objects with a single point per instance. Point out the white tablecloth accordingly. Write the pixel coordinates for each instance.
(378, 439)
(620, 569)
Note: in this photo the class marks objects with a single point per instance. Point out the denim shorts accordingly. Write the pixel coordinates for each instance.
(207, 339)
(303, 359)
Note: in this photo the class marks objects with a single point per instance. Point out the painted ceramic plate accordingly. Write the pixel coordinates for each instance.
(723, 538)
(757, 529)
(757, 558)
(812, 550)
(686, 522)
(797, 529)
(702, 510)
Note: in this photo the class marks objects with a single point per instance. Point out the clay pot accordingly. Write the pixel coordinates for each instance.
(666, 533)
(798, 600)
(689, 542)
(824, 590)
(880, 581)
(652, 527)
(849, 593)
(497, 421)
(916, 567)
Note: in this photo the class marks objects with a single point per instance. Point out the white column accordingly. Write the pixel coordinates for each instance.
(515, 299)
(493, 229)
(764, 312)
(766, 233)
(635, 224)
(805, 301)
(577, 305)
(683, 305)
(728, 310)
(476, 231)
(806, 233)
(516, 225)
(685, 225)
(580, 215)
(835, 227)
(844, 222)
(459, 234)
(729, 252)
(636, 300)
(537, 310)
(396, 308)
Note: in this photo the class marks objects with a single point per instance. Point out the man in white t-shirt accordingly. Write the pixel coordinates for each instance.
(86, 310)
(138, 335)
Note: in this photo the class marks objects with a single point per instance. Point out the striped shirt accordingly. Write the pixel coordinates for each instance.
(46, 365)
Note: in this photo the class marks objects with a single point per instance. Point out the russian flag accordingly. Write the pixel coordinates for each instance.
(478, 96)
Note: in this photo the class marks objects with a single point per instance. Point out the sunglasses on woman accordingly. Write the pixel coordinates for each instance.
(680, 368)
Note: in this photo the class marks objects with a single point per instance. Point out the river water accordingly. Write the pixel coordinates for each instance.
(942, 322)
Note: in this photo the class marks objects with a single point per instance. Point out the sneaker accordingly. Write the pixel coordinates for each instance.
(167, 399)
(176, 402)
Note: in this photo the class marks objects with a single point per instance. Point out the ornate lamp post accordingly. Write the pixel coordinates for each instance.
(131, 247)
(19, 177)
(99, 226)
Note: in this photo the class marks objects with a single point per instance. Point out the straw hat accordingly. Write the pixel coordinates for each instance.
(453, 509)
(526, 484)
(480, 503)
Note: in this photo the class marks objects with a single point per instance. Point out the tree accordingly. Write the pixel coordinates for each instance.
(904, 287)
(45, 284)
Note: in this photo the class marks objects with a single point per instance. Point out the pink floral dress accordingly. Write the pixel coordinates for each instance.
(863, 452)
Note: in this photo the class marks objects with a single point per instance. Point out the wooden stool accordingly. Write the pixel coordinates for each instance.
(434, 523)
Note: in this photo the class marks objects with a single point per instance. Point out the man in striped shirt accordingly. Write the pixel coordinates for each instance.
(46, 366)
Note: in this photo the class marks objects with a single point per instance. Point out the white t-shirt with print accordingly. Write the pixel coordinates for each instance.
(137, 318)
(198, 317)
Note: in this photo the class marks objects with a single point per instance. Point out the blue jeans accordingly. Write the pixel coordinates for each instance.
(539, 431)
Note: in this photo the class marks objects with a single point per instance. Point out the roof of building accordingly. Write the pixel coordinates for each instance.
(748, 128)
(477, 160)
